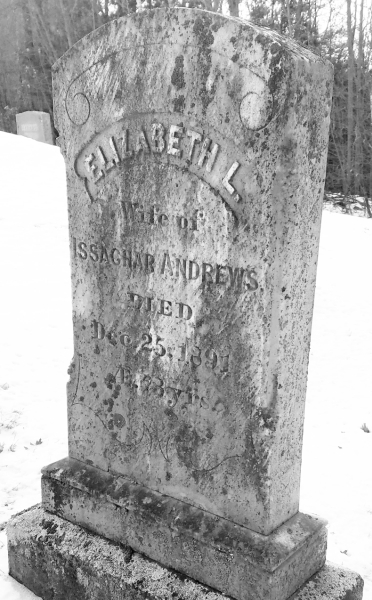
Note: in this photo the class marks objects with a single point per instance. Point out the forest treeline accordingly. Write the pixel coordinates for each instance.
(35, 33)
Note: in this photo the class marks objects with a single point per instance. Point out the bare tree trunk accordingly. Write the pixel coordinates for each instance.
(315, 16)
(217, 5)
(358, 170)
(308, 25)
(340, 160)
(350, 95)
(297, 27)
(44, 33)
(370, 166)
(67, 23)
(29, 51)
(94, 22)
(290, 32)
(233, 8)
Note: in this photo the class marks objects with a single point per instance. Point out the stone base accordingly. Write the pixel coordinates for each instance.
(230, 558)
(61, 561)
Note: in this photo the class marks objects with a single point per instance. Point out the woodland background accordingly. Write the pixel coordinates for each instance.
(35, 33)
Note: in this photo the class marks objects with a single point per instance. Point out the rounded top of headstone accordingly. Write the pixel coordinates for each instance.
(188, 61)
(32, 112)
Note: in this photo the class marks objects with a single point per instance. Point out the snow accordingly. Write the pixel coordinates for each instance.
(36, 329)
(36, 349)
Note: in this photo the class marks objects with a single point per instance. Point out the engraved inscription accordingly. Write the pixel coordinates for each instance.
(144, 384)
(135, 213)
(208, 274)
(167, 308)
(152, 343)
(195, 151)
(106, 155)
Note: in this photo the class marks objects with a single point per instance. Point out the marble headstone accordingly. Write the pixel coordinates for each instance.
(35, 125)
(195, 148)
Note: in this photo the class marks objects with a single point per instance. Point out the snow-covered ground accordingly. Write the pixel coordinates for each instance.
(36, 329)
(36, 348)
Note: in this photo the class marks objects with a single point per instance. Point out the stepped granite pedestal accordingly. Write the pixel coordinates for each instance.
(62, 561)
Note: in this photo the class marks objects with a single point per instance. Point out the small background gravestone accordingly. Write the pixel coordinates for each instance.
(35, 125)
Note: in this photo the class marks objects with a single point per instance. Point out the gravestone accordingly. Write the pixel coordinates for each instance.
(35, 125)
(195, 148)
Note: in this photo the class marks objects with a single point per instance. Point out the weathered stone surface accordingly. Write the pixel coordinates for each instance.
(60, 561)
(332, 582)
(36, 125)
(236, 560)
(195, 147)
